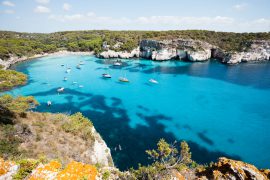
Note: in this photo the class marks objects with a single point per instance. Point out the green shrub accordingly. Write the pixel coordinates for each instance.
(166, 157)
(26, 168)
(19, 104)
(77, 124)
(10, 79)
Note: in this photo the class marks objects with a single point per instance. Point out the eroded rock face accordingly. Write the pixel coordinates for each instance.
(192, 50)
(258, 51)
(135, 53)
(231, 169)
(199, 55)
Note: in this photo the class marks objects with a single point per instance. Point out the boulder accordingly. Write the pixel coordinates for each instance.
(232, 169)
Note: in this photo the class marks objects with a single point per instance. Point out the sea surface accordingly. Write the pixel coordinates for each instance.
(219, 110)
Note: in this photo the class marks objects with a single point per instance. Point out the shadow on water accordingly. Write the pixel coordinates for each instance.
(112, 122)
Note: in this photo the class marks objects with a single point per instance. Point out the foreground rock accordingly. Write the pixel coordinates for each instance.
(231, 169)
(57, 136)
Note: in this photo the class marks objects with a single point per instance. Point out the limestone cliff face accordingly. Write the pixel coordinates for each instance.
(192, 50)
(258, 51)
(124, 55)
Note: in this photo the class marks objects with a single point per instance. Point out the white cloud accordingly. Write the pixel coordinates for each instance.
(8, 3)
(42, 9)
(64, 18)
(240, 7)
(9, 11)
(219, 23)
(66, 6)
(43, 1)
(177, 20)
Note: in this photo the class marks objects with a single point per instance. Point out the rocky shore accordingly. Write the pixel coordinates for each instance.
(15, 59)
(176, 49)
(192, 50)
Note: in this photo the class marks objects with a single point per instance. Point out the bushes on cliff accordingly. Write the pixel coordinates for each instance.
(10, 79)
(10, 106)
(166, 158)
(77, 124)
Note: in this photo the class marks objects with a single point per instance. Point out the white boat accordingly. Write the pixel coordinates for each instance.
(49, 103)
(78, 66)
(153, 81)
(81, 63)
(117, 64)
(106, 75)
(123, 79)
(60, 89)
(65, 78)
(80, 86)
(68, 70)
(74, 82)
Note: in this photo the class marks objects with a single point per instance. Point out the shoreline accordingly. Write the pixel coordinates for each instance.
(14, 59)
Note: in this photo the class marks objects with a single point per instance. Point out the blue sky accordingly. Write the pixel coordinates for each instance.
(61, 15)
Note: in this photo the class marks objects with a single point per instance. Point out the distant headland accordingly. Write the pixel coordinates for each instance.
(189, 45)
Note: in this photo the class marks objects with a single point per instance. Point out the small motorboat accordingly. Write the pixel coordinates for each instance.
(106, 75)
(81, 63)
(49, 103)
(65, 78)
(68, 70)
(123, 79)
(78, 66)
(62, 65)
(153, 81)
(80, 86)
(74, 82)
(60, 90)
(117, 64)
(120, 148)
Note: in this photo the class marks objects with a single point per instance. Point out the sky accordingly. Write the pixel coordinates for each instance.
(63, 15)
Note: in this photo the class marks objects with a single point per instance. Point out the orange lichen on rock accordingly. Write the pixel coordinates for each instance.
(48, 171)
(76, 170)
(5, 166)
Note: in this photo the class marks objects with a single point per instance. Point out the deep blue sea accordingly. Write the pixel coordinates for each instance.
(219, 110)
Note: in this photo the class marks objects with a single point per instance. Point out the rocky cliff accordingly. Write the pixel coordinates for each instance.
(193, 50)
(231, 169)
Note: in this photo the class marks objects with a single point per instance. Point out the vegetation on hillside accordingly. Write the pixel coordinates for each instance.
(10, 79)
(27, 44)
(25, 134)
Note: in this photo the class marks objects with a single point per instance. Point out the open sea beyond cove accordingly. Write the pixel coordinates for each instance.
(219, 110)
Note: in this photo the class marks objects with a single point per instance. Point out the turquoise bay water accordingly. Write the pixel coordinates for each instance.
(219, 110)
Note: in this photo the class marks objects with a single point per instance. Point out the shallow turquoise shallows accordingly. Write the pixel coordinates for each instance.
(219, 110)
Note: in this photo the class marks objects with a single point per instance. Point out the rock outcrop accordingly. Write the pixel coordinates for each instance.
(230, 169)
(258, 51)
(192, 50)
(135, 53)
